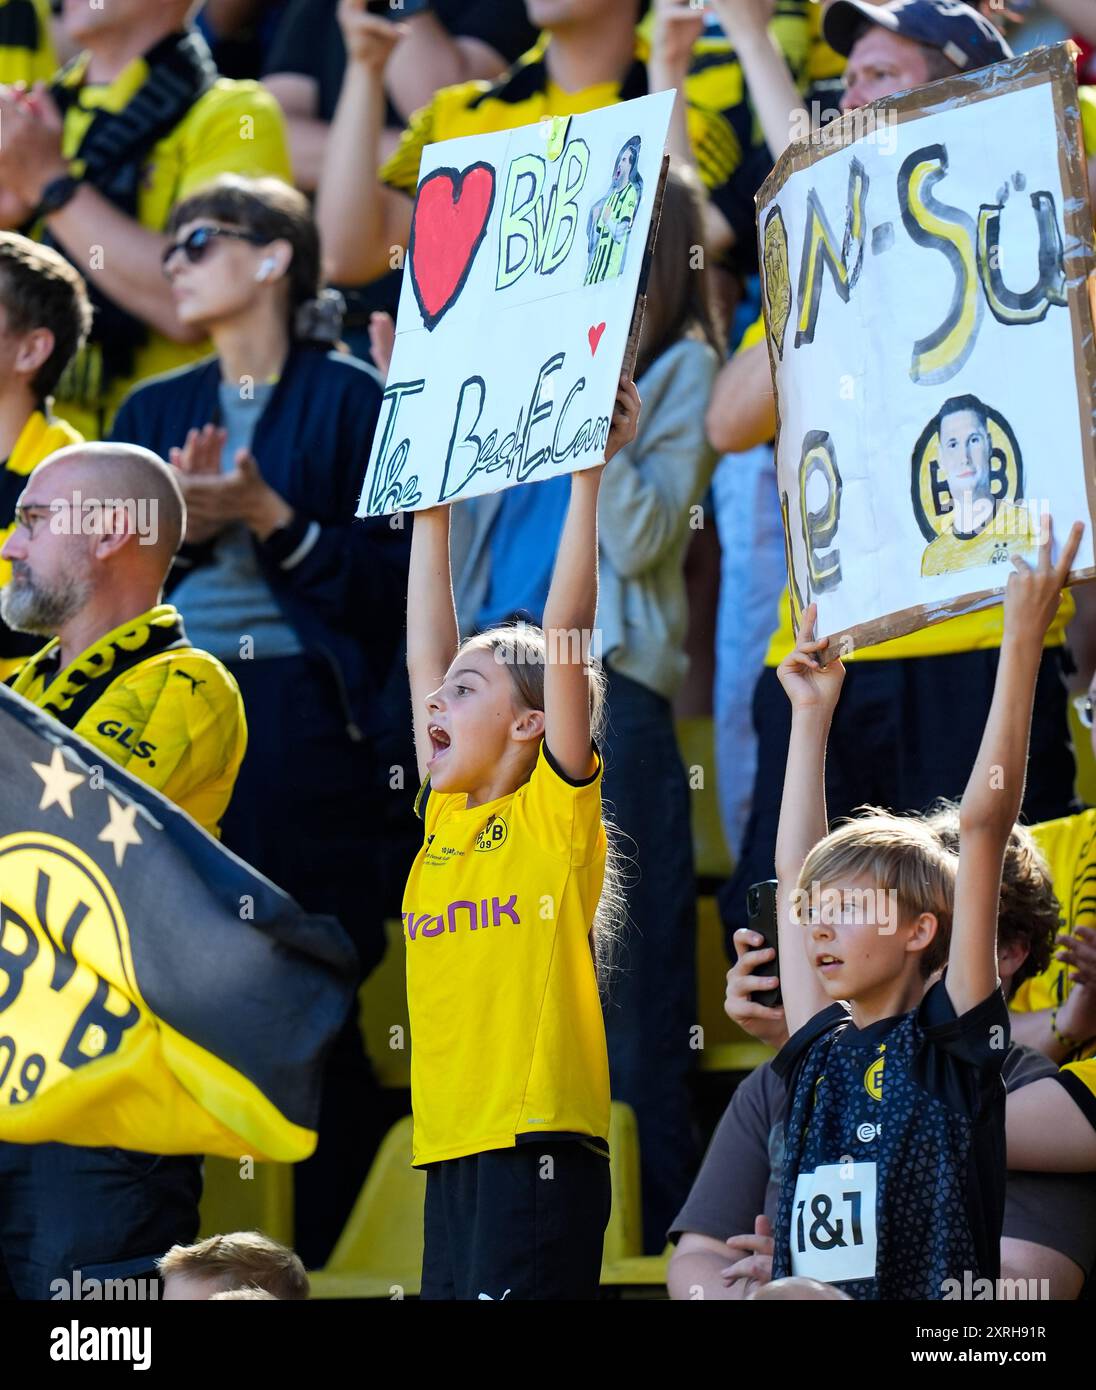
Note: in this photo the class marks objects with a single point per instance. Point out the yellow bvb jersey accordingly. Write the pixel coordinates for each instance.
(507, 1037)
(174, 719)
(524, 95)
(1011, 532)
(1069, 847)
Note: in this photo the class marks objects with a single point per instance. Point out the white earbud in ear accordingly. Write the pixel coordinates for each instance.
(266, 269)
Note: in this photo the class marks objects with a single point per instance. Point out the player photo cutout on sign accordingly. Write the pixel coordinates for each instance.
(967, 490)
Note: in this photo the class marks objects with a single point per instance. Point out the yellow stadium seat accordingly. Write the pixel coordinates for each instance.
(696, 740)
(638, 1272)
(624, 1233)
(382, 1004)
(379, 1254)
(725, 1046)
(237, 1196)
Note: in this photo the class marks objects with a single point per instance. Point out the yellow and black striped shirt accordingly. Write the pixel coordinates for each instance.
(26, 43)
(525, 95)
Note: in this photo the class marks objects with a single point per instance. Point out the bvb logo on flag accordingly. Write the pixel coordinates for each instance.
(75, 1011)
(778, 285)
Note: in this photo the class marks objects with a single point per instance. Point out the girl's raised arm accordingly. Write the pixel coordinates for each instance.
(432, 636)
(572, 605)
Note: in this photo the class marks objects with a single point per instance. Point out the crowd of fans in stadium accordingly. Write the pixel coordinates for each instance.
(222, 193)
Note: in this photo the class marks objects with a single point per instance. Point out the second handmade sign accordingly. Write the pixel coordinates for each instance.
(924, 267)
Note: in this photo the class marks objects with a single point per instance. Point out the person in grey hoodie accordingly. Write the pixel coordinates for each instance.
(503, 546)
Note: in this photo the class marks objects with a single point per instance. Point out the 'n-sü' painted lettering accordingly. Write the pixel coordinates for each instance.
(1030, 306)
(820, 523)
(820, 251)
(938, 227)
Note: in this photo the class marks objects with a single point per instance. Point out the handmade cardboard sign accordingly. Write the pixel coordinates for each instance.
(519, 292)
(925, 276)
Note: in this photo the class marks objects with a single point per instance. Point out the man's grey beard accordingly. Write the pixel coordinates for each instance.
(28, 607)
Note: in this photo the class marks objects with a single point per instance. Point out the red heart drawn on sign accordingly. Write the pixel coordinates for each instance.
(594, 336)
(450, 220)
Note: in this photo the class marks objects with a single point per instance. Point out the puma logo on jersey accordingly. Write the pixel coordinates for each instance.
(194, 681)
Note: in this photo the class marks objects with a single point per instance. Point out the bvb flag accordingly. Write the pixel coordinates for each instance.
(155, 992)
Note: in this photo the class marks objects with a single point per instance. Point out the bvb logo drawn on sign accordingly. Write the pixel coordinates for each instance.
(778, 283)
(52, 892)
(492, 835)
(967, 488)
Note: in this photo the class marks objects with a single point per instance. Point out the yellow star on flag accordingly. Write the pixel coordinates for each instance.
(59, 783)
(121, 832)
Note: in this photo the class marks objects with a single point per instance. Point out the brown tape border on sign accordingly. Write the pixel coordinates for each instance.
(1055, 65)
(631, 347)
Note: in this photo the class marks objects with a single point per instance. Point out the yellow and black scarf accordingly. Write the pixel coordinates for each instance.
(73, 691)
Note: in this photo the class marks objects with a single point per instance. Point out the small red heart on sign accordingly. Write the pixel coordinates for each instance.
(452, 210)
(594, 336)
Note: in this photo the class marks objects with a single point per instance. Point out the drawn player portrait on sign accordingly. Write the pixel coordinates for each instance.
(609, 224)
(968, 489)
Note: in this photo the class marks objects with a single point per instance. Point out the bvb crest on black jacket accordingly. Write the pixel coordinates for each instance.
(341, 582)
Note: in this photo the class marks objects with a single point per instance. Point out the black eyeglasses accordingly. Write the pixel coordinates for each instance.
(197, 243)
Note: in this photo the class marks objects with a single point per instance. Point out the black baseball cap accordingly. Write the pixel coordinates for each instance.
(964, 36)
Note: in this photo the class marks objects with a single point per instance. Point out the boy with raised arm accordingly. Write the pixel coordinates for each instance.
(894, 1167)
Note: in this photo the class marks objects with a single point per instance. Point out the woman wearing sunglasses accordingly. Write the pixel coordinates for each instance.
(302, 603)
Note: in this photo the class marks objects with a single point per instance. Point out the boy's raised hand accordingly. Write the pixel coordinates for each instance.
(1032, 594)
(807, 683)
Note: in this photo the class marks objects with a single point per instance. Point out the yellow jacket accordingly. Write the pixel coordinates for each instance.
(165, 711)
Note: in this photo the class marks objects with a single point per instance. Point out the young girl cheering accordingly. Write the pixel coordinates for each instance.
(503, 915)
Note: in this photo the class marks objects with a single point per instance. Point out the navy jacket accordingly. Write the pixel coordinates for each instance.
(341, 583)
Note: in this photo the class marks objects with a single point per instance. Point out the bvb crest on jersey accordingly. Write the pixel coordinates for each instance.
(155, 993)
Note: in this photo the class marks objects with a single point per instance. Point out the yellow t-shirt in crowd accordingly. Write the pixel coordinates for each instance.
(507, 1036)
(39, 437)
(1069, 847)
(175, 720)
(234, 127)
(26, 43)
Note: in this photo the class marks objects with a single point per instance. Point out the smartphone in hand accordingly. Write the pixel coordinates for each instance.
(761, 915)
